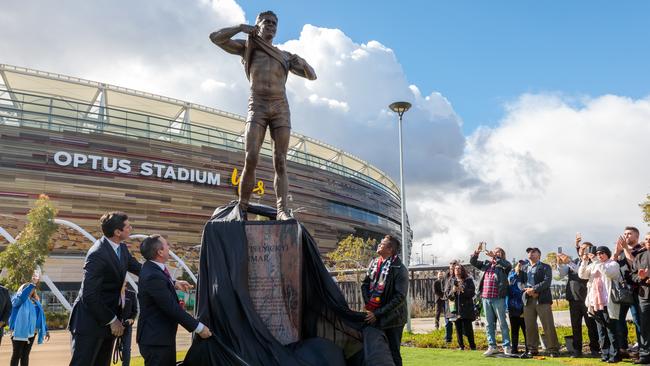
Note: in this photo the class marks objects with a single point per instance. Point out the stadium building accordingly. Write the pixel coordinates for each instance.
(93, 147)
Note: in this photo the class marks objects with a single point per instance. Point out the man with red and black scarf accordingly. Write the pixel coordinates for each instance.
(384, 292)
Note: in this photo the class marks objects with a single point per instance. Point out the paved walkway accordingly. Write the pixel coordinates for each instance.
(57, 351)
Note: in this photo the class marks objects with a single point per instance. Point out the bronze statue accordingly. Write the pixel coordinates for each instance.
(267, 68)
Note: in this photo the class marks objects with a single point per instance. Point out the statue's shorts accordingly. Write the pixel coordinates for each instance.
(273, 113)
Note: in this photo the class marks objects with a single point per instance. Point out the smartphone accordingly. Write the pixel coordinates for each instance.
(559, 250)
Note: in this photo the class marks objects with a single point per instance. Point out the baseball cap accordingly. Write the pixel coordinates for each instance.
(536, 249)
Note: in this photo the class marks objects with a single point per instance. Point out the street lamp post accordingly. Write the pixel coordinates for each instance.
(400, 108)
(422, 251)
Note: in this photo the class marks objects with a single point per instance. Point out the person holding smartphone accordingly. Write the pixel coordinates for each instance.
(576, 294)
(493, 287)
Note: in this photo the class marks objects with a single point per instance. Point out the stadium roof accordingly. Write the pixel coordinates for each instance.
(91, 93)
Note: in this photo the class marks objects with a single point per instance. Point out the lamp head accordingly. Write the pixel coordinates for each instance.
(400, 107)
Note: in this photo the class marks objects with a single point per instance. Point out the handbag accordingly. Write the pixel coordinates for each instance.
(621, 292)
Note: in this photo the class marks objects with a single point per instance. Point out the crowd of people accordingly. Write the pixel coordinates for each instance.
(602, 287)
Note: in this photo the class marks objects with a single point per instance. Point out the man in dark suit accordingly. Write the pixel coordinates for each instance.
(536, 277)
(93, 322)
(160, 312)
(5, 309)
(641, 276)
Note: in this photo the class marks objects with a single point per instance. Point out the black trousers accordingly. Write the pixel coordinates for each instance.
(160, 355)
(516, 323)
(440, 311)
(21, 350)
(607, 335)
(577, 312)
(464, 328)
(394, 336)
(644, 340)
(88, 350)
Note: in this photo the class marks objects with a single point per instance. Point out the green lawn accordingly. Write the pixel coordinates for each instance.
(433, 356)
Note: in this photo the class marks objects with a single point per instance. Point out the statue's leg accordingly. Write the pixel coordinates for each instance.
(280, 137)
(254, 137)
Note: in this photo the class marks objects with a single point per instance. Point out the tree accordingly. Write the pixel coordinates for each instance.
(30, 250)
(353, 253)
(646, 209)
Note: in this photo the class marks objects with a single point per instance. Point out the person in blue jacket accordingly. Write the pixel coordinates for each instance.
(27, 320)
(515, 307)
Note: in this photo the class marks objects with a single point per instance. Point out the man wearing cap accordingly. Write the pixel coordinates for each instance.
(536, 277)
(642, 278)
(576, 294)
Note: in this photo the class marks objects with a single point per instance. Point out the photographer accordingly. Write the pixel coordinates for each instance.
(602, 272)
(493, 288)
(576, 294)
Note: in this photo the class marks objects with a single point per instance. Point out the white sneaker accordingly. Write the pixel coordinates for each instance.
(507, 351)
(490, 351)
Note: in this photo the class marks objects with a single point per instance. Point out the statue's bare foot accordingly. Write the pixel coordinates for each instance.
(283, 215)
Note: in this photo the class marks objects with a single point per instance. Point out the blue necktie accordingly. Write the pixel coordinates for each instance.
(118, 251)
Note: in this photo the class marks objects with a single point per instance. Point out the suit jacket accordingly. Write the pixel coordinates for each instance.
(5, 306)
(99, 297)
(392, 312)
(160, 312)
(642, 260)
(542, 281)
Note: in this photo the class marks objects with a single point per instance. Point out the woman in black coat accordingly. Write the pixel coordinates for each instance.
(461, 289)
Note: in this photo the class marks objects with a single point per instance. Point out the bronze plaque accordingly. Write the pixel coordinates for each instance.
(274, 276)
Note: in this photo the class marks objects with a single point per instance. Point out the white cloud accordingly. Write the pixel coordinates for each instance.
(553, 167)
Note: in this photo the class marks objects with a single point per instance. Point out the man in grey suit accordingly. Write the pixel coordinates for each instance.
(93, 322)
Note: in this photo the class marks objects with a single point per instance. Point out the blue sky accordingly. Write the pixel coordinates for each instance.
(483, 54)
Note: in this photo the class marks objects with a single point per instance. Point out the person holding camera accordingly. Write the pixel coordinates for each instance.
(576, 295)
(603, 272)
(461, 290)
(493, 288)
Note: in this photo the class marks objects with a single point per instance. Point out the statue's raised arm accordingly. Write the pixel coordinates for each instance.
(223, 38)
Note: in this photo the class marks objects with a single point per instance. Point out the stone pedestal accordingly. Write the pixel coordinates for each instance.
(274, 276)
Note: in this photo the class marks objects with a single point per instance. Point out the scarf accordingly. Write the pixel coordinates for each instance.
(255, 42)
(378, 272)
(598, 293)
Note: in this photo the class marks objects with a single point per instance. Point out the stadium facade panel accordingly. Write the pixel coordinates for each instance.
(93, 147)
